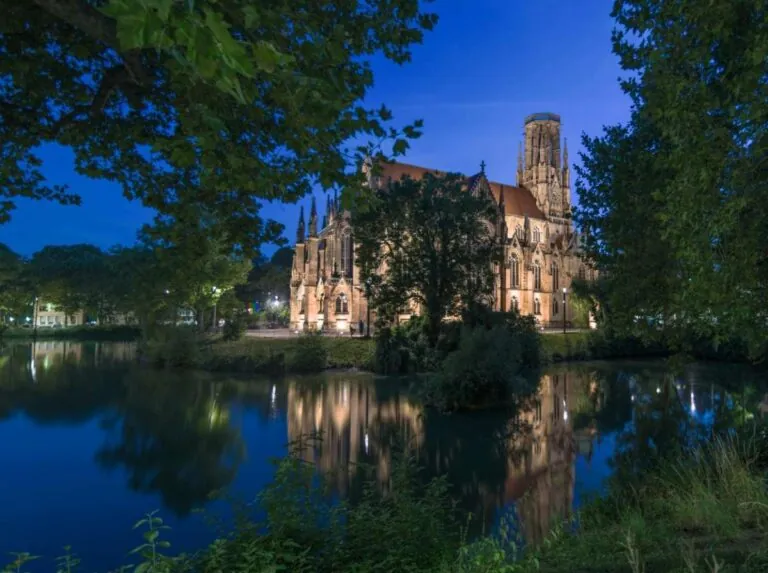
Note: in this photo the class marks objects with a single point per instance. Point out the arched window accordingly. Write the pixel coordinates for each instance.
(514, 304)
(555, 278)
(582, 273)
(536, 235)
(303, 305)
(536, 276)
(536, 306)
(519, 232)
(346, 254)
(322, 304)
(342, 305)
(514, 271)
(555, 306)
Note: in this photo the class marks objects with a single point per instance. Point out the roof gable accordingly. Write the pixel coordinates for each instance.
(517, 200)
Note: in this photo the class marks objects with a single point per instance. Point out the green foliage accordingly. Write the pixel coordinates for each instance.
(486, 369)
(672, 202)
(175, 347)
(234, 329)
(308, 354)
(437, 242)
(225, 104)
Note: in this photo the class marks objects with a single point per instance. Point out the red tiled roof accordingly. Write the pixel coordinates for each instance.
(517, 200)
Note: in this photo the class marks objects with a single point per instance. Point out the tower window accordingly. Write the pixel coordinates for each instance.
(519, 232)
(555, 278)
(514, 271)
(346, 254)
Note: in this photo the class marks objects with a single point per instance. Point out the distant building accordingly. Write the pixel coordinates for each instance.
(51, 316)
(541, 247)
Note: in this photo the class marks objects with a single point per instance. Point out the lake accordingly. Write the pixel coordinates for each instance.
(90, 441)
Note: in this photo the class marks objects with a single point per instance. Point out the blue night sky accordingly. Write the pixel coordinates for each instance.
(487, 65)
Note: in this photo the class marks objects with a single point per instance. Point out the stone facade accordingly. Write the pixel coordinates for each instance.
(541, 247)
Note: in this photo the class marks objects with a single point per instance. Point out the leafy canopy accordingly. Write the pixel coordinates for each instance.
(224, 103)
(681, 189)
(431, 242)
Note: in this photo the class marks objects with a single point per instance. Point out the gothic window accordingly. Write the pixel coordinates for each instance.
(536, 277)
(519, 232)
(536, 307)
(322, 304)
(514, 304)
(555, 308)
(514, 271)
(536, 235)
(342, 305)
(555, 278)
(303, 305)
(346, 254)
(582, 273)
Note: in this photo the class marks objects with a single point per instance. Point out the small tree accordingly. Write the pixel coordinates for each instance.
(430, 242)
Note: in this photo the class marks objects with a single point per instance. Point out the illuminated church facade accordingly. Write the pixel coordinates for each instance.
(541, 247)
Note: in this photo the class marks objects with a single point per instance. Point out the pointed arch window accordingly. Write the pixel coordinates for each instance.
(582, 273)
(303, 305)
(536, 235)
(555, 277)
(514, 304)
(322, 304)
(520, 233)
(346, 254)
(342, 304)
(514, 271)
(555, 306)
(536, 276)
(536, 306)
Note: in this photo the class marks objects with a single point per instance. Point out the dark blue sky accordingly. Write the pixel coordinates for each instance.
(487, 65)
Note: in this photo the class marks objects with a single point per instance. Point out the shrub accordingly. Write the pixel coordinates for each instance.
(171, 347)
(485, 369)
(308, 354)
(350, 353)
(234, 328)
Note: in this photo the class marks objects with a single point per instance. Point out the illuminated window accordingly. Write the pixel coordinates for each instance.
(514, 271)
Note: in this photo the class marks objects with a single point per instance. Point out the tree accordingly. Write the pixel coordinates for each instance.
(74, 277)
(16, 293)
(137, 89)
(269, 279)
(681, 188)
(431, 242)
(197, 265)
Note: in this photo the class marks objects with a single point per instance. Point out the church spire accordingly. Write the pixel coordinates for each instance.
(300, 228)
(520, 164)
(313, 218)
(565, 153)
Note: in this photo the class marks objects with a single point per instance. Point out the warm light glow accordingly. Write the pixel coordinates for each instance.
(658, 389)
(565, 290)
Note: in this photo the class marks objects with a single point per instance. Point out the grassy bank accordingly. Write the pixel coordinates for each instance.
(94, 333)
(261, 355)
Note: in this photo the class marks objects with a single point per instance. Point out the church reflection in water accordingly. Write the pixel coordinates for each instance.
(493, 459)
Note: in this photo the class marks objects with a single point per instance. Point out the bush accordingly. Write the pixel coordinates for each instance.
(177, 347)
(350, 353)
(308, 354)
(234, 328)
(486, 369)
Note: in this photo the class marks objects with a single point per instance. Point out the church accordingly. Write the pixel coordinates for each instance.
(541, 247)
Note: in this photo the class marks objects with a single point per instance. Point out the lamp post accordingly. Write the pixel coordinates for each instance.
(565, 290)
(215, 302)
(34, 319)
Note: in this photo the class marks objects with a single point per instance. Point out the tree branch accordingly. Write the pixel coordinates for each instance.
(81, 15)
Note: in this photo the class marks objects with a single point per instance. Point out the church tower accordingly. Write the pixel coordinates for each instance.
(541, 168)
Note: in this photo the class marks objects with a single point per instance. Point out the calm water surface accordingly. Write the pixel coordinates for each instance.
(89, 441)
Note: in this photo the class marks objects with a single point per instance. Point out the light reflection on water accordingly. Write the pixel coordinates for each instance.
(92, 435)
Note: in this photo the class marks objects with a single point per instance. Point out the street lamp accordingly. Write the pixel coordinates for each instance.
(565, 290)
(215, 301)
(368, 307)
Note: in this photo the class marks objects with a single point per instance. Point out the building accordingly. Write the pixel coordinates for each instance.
(541, 246)
(49, 315)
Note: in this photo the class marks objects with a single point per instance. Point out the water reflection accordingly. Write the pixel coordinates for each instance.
(171, 439)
